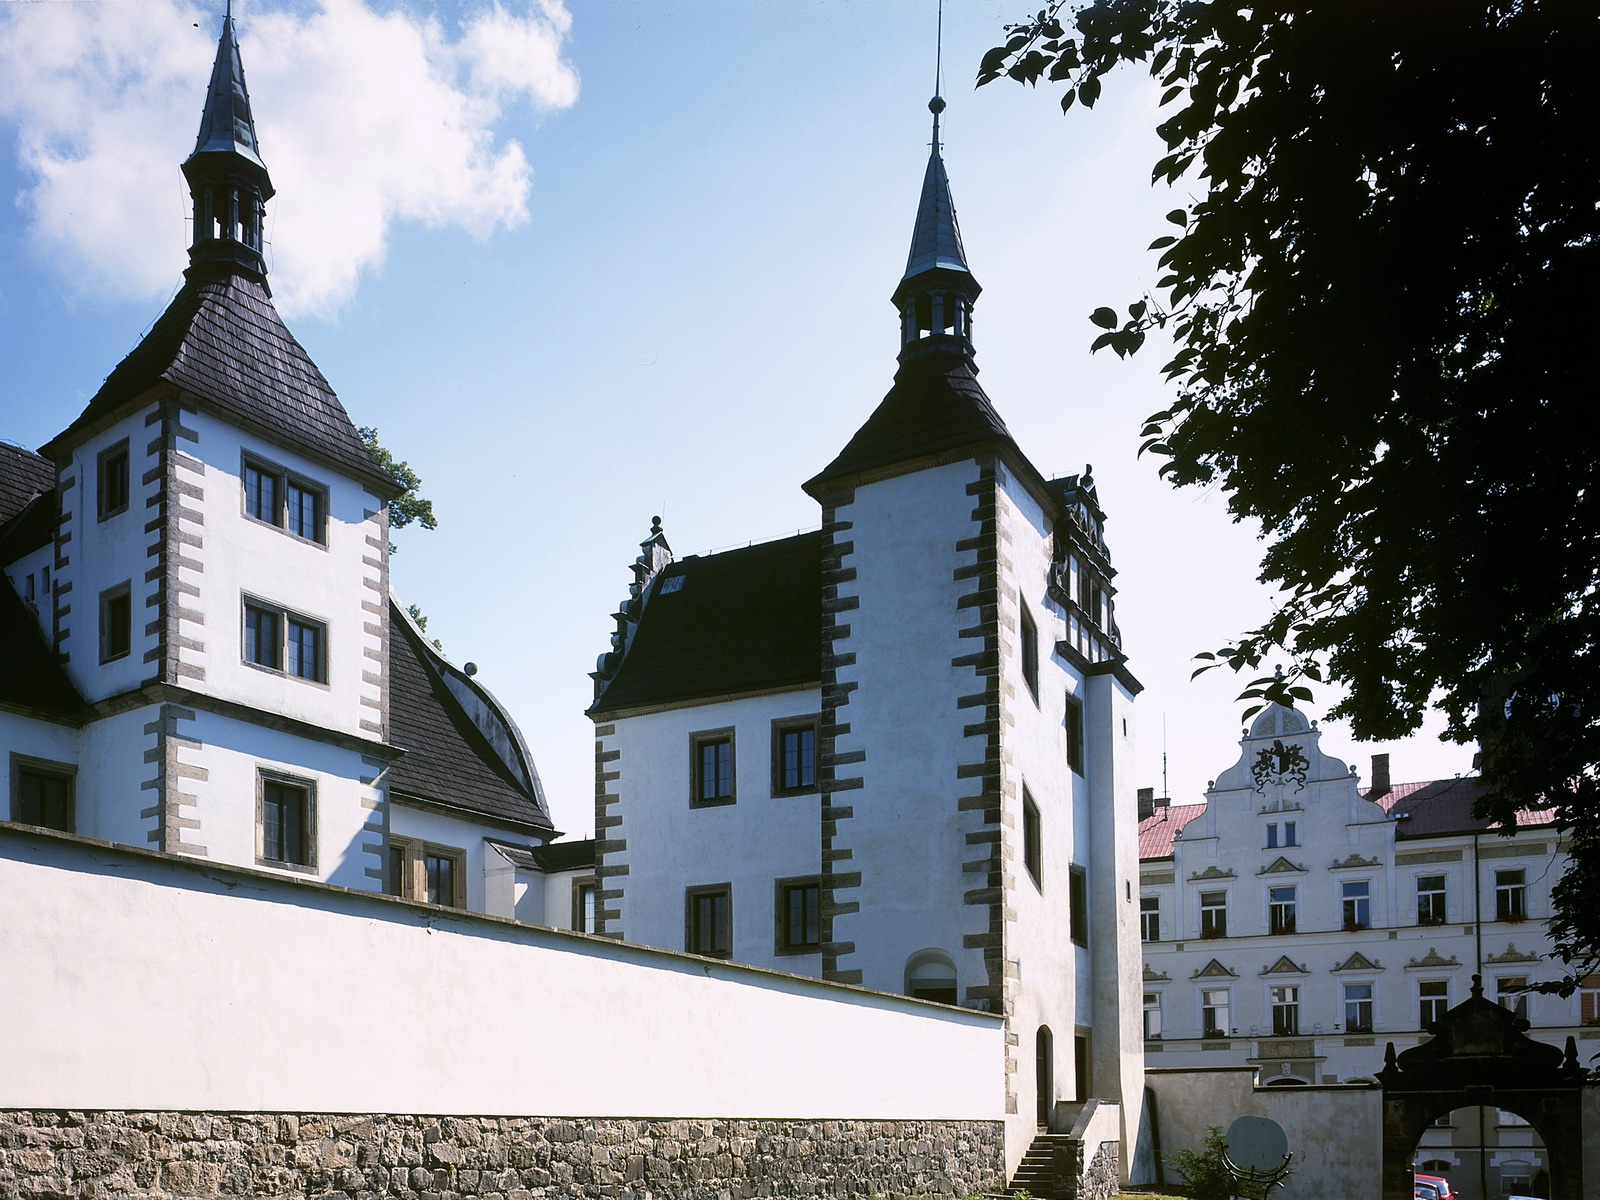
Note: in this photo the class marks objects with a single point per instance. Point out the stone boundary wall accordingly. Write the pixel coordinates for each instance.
(187, 1155)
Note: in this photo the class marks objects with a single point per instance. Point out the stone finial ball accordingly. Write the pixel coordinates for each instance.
(936, 105)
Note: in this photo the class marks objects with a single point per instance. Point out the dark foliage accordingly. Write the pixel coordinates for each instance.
(410, 505)
(1383, 307)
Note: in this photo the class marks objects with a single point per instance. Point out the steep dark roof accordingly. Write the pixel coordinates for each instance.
(564, 856)
(30, 675)
(746, 620)
(23, 475)
(448, 760)
(936, 405)
(222, 340)
(1442, 806)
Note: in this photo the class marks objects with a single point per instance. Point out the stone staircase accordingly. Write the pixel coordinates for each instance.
(1036, 1173)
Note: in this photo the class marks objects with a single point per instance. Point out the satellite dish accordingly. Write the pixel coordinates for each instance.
(1257, 1144)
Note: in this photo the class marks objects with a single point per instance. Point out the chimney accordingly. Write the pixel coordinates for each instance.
(1163, 801)
(1147, 802)
(1380, 776)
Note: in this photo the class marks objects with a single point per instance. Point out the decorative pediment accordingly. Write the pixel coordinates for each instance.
(1285, 966)
(1281, 866)
(1355, 860)
(1214, 970)
(1213, 873)
(1358, 962)
(1154, 976)
(1512, 954)
(1433, 959)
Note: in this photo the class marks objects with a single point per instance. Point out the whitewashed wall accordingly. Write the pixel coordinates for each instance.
(175, 984)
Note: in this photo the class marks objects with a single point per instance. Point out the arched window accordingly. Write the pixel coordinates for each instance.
(931, 975)
(1044, 1080)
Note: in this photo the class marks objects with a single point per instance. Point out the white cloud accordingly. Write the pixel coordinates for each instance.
(365, 119)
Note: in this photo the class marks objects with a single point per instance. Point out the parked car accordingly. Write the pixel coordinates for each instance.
(1438, 1185)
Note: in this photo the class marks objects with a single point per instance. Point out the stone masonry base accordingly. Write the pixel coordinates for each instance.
(185, 1155)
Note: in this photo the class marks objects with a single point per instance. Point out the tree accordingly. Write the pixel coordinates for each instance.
(410, 505)
(1382, 305)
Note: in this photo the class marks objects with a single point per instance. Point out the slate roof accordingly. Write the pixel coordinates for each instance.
(448, 760)
(222, 340)
(564, 856)
(23, 475)
(30, 675)
(745, 620)
(935, 405)
(936, 236)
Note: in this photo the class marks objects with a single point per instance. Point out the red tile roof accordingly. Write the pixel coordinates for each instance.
(1157, 830)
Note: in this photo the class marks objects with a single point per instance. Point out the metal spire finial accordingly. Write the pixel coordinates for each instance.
(936, 105)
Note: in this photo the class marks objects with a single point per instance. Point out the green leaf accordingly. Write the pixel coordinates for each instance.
(1179, 217)
(1161, 243)
(1104, 317)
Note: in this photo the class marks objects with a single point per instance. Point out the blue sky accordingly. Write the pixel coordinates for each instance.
(581, 265)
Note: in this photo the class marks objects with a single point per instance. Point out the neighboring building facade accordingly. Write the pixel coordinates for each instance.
(896, 751)
(202, 654)
(1298, 922)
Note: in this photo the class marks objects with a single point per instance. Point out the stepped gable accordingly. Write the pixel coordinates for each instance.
(222, 342)
(31, 677)
(743, 621)
(448, 761)
(935, 406)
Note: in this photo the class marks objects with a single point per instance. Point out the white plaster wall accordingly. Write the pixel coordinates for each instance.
(36, 565)
(906, 836)
(323, 1000)
(110, 797)
(35, 739)
(326, 582)
(232, 753)
(751, 843)
(555, 899)
(102, 554)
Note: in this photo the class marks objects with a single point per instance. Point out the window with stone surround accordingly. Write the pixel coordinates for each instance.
(708, 920)
(794, 756)
(424, 871)
(1356, 897)
(116, 622)
(798, 918)
(276, 639)
(1282, 903)
(286, 821)
(1285, 1000)
(111, 481)
(1216, 1007)
(585, 892)
(1213, 914)
(1029, 637)
(711, 778)
(42, 793)
(1074, 731)
(277, 496)
(1078, 904)
(1358, 1008)
(1032, 854)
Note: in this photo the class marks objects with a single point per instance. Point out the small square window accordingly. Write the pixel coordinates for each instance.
(116, 622)
(711, 768)
(1074, 727)
(708, 920)
(1078, 905)
(1031, 853)
(42, 793)
(1030, 653)
(111, 476)
(794, 756)
(799, 915)
(287, 825)
(585, 896)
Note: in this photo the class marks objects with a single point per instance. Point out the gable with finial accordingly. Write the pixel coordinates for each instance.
(1433, 959)
(1285, 966)
(1214, 970)
(1281, 866)
(1358, 962)
(1511, 955)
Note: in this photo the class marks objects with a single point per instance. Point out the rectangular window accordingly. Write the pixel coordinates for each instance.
(1074, 724)
(1281, 834)
(1281, 909)
(1285, 1011)
(711, 768)
(1030, 653)
(279, 640)
(585, 893)
(1213, 914)
(794, 756)
(41, 794)
(1152, 1016)
(1031, 855)
(1358, 1008)
(116, 623)
(1356, 895)
(1430, 900)
(1078, 904)
(112, 481)
(1511, 895)
(1508, 991)
(799, 915)
(442, 876)
(287, 822)
(1589, 1000)
(1149, 918)
(397, 881)
(1433, 1001)
(274, 496)
(1215, 1007)
(27, 589)
(709, 920)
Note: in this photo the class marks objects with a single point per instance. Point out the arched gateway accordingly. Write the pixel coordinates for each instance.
(1480, 1056)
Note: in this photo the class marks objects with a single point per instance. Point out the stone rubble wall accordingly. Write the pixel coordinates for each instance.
(1100, 1179)
(188, 1155)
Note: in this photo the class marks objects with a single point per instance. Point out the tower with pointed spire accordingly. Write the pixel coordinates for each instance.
(939, 671)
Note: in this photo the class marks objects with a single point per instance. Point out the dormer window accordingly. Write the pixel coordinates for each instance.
(275, 496)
